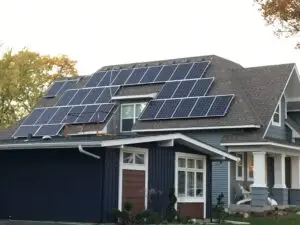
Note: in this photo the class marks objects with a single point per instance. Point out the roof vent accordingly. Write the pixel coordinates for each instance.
(46, 137)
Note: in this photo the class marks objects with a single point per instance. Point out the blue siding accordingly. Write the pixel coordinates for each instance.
(282, 132)
(219, 180)
(110, 185)
(56, 185)
(160, 176)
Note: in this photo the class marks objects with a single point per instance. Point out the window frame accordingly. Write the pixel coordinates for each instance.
(248, 166)
(186, 199)
(134, 117)
(237, 177)
(275, 123)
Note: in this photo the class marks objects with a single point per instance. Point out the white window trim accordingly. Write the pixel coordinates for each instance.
(132, 167)
(134, 116)
(274, 123)
(237, 177)
(248, 171)
(191, 199)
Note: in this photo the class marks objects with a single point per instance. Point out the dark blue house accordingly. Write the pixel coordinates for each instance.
(201, 125)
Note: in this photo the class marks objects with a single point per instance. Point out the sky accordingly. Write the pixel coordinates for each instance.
(96, 33)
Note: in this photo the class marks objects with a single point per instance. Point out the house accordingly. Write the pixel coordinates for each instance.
(202, 125)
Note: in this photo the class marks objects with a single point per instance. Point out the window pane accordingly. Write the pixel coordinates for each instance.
(199, 183)
(139, 109)
(250, 164)
(127, 124)
(191, 184)
(181, 162)
(199, 164)
(139, 158)
(127, 111)
(277, 109)
(191, 163)
(127, 157)
(276, 118)
(181, 183)
(240, 171)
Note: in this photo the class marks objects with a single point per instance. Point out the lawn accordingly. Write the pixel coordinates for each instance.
(280, 220)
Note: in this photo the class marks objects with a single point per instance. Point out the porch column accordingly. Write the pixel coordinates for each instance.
(259, 188)
(295, 190)
(279, 191)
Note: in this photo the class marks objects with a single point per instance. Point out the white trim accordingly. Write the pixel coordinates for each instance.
(248, 164)
(261, 143)
(237, 177)
(229, 182)
(197, 128)
(203, 171)
(123, 166)
(279, 100)
(274, 123)
(130, 97)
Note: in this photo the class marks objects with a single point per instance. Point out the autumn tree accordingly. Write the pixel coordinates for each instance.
(24, 76)
(284, 15)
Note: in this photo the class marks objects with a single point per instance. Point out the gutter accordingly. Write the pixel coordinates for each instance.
(81, 150)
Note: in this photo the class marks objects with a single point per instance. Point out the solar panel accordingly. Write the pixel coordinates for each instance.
(93, 96)
(168, 89)
(49, 129)
(181, 71)
(150, 74)
(184, 88)
(69, 84)
(185, 107)
(87, 114)
(80, 95)
(136, 75)
(165, 73)
(102, 113)
(95, 79)
(46, 116)
(23, 131)
(73, 114)
(197, 70)
(202, 106)
(105, 97)
(54, 89)
(66, 97)
(122, 77)
(108, 78)
(60, 114)
(201, 87)
(33, 116)
(220, 105)
(151, 109)
(168, 108)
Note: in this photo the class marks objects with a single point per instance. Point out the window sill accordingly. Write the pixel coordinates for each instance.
(276, 124)
(190, 199)
(239, 178)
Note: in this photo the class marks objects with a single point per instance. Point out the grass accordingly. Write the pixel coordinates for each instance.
(273, 220)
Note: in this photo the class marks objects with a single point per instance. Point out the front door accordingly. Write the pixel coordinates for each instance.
(133, 182)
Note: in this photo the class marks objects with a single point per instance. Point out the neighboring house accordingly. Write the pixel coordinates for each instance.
(133, 132)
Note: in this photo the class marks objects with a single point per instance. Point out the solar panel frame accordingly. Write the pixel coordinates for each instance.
(69, 84)
(166, 73)
(60, 115)
(73, 114)
(87, 113)
(96, 79)
(46, 115)
(200, 89)
(93, 95)
(66, 97)
(179, 74)
(146, 79)
(105, 96)
(167, 109)
(168, 90)
(22, 130)
(33, 116)
(183, 90)
(200, 113)
(131, 81)
(52, 93)
(107, 107)
(108, 78)
(184, 108)
(48, 129)
(122, 77)
(191, 73)
(80, 96)
(219, 102)
(152, 115)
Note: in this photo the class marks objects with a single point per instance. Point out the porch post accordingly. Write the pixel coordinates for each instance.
(295, 190)
(259, 187)
(280, 192)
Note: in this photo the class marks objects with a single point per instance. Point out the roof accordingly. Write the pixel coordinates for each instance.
(257, 91)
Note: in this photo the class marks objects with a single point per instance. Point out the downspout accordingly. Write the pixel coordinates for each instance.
(81, 150)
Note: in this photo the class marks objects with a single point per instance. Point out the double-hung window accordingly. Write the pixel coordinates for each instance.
(190, 177)
(129, 114)
(240, 167)
(276, 120)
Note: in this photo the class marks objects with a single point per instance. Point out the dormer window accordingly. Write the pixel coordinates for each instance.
(276, 120)
(130, 112)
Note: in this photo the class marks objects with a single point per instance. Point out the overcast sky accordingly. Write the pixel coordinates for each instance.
(97, 33)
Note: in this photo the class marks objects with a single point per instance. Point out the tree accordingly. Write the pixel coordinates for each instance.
(24, 76)
(283, 14)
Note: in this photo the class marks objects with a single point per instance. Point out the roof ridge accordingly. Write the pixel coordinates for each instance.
(271, 65)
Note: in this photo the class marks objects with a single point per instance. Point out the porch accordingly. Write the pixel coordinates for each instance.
(265, 174)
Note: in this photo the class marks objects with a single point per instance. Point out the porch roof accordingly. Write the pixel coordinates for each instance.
(119, 142)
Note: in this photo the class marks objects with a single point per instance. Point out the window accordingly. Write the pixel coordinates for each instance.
(129, 114)
(133, 158)
(190, 178)
(240, 167)
(277, 116)
(250, 166)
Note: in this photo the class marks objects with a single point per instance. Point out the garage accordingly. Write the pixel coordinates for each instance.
(53, 185)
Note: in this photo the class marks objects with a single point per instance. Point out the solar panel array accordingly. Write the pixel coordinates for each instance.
(182, 96)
